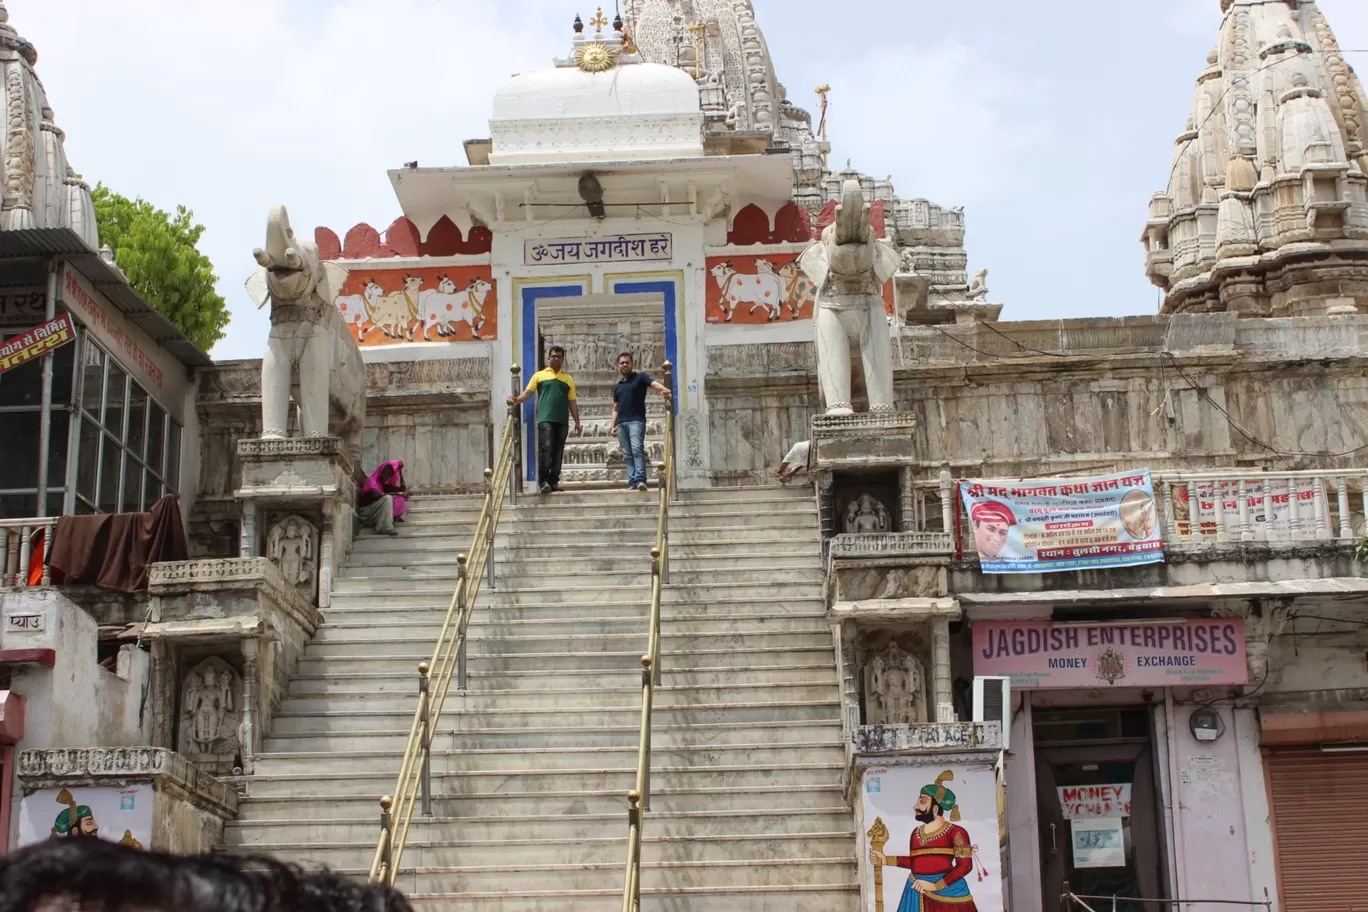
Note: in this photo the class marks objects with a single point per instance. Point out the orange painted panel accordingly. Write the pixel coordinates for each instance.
(433, 304)
(763, 289)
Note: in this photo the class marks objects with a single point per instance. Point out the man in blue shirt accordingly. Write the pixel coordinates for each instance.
(629, 417)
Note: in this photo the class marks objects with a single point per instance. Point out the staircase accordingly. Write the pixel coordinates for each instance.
(531, 765)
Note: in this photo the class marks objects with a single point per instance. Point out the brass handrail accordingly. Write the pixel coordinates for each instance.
(639, 798)
(414, 782)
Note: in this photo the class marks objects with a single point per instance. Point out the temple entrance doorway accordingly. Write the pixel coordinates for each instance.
(1098, 805)
(594, 330)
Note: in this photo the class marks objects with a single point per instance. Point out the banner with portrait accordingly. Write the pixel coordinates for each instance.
(1046, 525)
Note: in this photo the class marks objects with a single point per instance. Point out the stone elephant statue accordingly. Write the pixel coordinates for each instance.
(309, 353)
(849, 265)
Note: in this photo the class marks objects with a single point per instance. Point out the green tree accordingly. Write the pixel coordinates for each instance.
(158, 253)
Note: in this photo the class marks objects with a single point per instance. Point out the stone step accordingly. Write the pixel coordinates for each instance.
(404, 642)
(628, 559)
(327, 828)
(491, 610)
(551, 681)
(683, 543)
(398, 662)
(678, 875)
(571, 801)
(584, 698)
(538, 510)
(394, 737)
(732, 494)
(692, 573)
(695, 756)
(583, 719)
(606, 847)
(486, 628)
(463, 781)
(385, 593)
(841, 896)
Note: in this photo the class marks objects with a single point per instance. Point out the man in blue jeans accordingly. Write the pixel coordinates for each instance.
(629, 417)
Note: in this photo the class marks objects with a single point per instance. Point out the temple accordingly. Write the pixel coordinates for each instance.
(1038, 614)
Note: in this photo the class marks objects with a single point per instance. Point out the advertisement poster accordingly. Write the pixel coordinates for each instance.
(1279, 497)
(1046, 525)
(1099, 842)
(945, 819)
(37, 342)
(122, 815)
(1037, 654)
(1080, 802)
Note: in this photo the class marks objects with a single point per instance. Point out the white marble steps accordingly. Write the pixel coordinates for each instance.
(532, 761)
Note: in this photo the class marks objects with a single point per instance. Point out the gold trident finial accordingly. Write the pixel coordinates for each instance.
(599, 21)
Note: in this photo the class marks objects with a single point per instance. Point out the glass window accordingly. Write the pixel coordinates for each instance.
(19, 455)
(23, 385)
(59, 438)
(63, 368)
(156, 436)
(19, 506)
(87, 471)
(152, 491)
(110, 462)
(137, 419)
(92, 377)
(132, 486)
(115, 390)
(173, 448)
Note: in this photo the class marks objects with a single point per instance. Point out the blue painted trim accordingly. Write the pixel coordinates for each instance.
(670, 289)
(530, 295)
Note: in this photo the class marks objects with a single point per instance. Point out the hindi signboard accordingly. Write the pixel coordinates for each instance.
(20, 307)
(620, 248)
(1046, 525)
(37, 342)
(1177, 653)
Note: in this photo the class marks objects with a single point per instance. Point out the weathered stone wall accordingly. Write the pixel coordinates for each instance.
(432, 414)
(1032, 398)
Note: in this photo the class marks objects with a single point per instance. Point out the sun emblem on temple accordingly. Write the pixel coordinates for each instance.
(1111, 665)
(595, 58)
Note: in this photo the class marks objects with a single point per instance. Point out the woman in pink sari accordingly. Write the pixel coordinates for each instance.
(381, 502)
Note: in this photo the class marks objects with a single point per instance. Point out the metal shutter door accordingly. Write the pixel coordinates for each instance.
(1320, 827)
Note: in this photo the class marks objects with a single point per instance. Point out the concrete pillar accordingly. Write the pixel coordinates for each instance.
(940, 670)
(249, 726)
(248, 537)
(327, 557)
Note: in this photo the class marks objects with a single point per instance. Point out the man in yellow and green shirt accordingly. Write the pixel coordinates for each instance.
(556, 405)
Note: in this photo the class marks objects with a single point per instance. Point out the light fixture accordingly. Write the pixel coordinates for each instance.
(1205, 724)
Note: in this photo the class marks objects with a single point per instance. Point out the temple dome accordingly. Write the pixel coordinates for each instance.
(1266, 208)
(40, 188)
(629, 110)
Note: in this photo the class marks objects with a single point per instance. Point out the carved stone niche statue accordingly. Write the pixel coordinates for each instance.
(895, 688)
(210, 712)
(292, 545)
(849, 266)
(867, 515)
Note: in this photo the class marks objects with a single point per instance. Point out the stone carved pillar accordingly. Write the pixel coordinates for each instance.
(249, 730)
(941, 691)
(326, 557)
(908, 521)
(247, 539)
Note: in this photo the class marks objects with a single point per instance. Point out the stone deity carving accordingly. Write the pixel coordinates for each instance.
(211, 706)
(292, 545)
(978, 286)
(866, 515)
(309, 351)
(895, 688)
(849, 266)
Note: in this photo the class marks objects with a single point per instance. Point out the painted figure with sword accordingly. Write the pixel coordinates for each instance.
(939, 858)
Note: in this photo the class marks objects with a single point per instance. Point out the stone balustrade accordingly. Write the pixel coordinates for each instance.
(16, 549)
(1263, 506)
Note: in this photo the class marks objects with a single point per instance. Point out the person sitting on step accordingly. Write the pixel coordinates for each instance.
(381, 502)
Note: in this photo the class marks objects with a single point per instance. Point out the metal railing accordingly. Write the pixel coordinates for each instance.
(16, 549)
(639, 798)
(414, 783)
(1073, 902)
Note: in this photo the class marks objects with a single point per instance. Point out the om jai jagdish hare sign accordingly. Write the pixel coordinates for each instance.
(618, 248)
(1044, 525)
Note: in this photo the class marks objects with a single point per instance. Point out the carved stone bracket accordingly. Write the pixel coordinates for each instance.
(892, 544)
(864, 439)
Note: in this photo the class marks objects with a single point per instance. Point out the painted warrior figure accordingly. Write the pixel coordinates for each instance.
(849, 266)
(939, 857)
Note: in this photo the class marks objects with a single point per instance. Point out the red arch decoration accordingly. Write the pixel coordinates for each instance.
(480, 240)
(443, 240)
(876, 218)
(402, 237)
(751, 226)
(792, 224)
(826, 217)
(329, 247)
(362, 241)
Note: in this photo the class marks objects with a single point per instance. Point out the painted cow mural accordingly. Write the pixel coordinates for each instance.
(430, 304)
(763, 289)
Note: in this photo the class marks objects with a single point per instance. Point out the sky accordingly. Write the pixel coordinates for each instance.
(1051, 124)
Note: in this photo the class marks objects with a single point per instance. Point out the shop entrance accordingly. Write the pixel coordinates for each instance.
(1098, 804)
